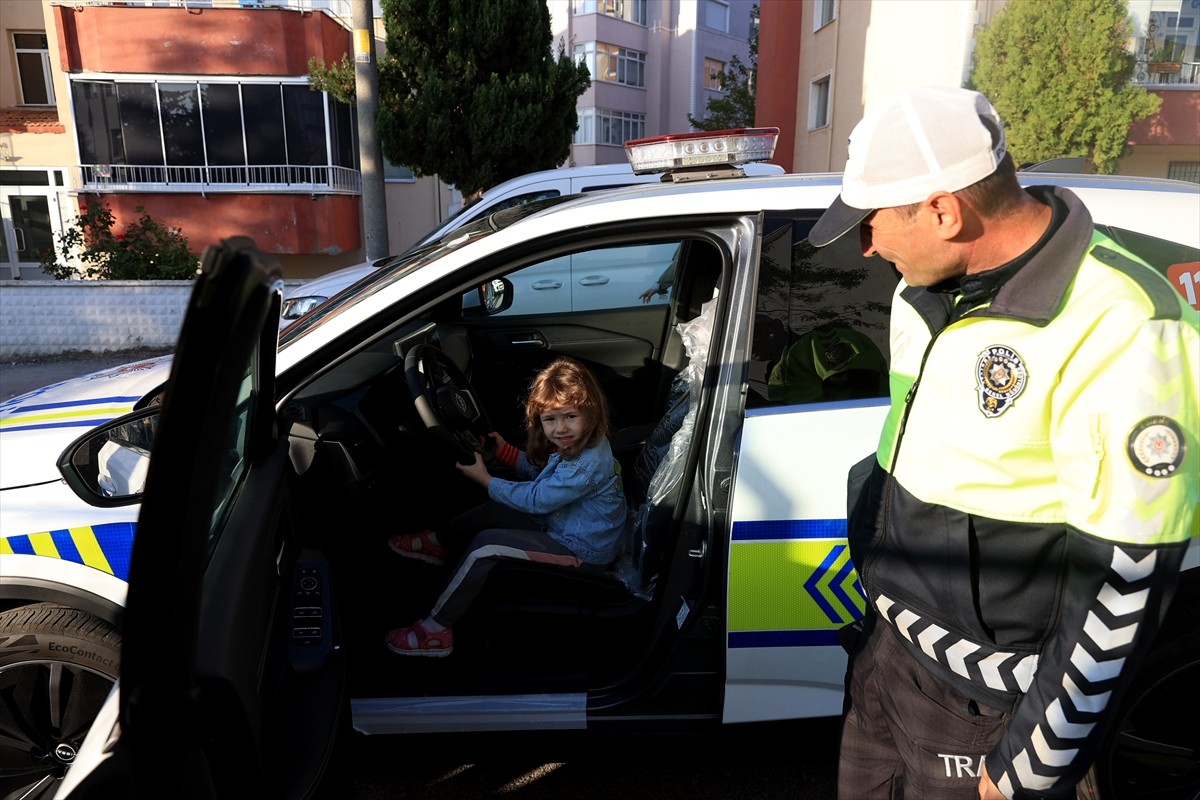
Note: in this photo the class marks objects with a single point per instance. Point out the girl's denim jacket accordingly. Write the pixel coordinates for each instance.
(580, 500)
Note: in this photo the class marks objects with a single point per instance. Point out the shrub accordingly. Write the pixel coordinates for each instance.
(148, 250)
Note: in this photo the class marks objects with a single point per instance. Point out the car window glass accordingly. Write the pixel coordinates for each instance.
(1179, 262)
(820, 326)
(595, 279)
(234, 465)
(522, 199)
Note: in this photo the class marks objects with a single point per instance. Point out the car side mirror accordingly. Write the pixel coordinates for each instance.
(489, 298)
(107, 466)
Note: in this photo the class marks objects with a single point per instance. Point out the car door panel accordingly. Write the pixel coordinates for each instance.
(205, 650)
(817, 398)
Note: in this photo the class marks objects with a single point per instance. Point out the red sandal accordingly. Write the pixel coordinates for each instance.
(419, 546)
(427, 643)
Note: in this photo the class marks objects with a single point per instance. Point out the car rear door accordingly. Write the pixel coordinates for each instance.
(815, 403)
(230, 684)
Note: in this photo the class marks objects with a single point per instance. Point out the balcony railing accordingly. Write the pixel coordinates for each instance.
(261, 179)
(1175, 72)
(342, 9)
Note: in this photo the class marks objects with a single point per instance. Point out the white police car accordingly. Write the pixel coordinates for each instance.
(261, 584)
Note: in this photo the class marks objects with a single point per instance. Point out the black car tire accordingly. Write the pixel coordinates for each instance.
(57, 665)
(1153, 750)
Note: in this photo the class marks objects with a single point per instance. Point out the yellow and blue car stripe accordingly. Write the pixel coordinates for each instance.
(791, 583)
(88, 413)
(106, 547)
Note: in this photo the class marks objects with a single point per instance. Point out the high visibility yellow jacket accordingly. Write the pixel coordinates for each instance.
(1036, 485)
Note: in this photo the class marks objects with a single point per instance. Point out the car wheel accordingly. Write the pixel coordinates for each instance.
(57, 664)
(1153, 750)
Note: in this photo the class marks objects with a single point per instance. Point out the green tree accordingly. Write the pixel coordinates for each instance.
(148, 250)
(337, 79)
(1059, 72)
(735, 108)
(470, 90)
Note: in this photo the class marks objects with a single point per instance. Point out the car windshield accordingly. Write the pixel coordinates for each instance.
(397, 268)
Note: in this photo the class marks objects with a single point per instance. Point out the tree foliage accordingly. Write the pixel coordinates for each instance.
(148, 250)
(470, 90)
(338, 79)
(735, 108)
(1060, 75)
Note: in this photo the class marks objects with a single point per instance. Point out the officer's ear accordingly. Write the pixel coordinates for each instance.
(944, 211)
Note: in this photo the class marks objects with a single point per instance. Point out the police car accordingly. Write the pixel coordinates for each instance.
(252, 610)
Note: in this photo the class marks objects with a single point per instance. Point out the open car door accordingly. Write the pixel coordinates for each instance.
(228, 635)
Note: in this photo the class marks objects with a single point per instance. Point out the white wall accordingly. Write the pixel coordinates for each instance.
(45, 318)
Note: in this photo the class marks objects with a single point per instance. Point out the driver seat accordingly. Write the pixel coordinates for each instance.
(651, 491)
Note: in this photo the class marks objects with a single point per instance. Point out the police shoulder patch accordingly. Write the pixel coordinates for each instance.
(1000, 377)
(1156, 447)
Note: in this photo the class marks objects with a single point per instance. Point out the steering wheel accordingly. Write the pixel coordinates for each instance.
(447, 404)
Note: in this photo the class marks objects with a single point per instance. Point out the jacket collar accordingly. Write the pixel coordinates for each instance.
(1029, 288)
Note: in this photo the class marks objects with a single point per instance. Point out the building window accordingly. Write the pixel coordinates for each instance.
(1164, 42)
(1184, 171)
(33, 69)
(607, 62)
(606, 126)
(396, 173)
(716, 15)
(211, 133)
(824, 12)
(628, 10)
(818, 103)
(714, 74)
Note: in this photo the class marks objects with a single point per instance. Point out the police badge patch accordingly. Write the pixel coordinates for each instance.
(1156, 447)
(1000, 377)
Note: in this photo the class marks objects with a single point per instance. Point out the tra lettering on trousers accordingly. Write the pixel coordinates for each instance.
(961, 766)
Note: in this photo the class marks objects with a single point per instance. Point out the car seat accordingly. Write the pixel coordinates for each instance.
(662, 461)
(832, 362)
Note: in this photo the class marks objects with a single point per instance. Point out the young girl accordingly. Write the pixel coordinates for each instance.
(568, 508)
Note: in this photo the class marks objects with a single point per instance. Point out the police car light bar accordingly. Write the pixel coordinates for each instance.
(704, 149)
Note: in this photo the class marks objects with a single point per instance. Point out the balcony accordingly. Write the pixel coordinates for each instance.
(341, 9)
(1167, 73)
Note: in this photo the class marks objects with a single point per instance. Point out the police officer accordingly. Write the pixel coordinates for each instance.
(1020, 528)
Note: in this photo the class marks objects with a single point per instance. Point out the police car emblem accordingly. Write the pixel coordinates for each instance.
(1000, 377)
(1156, 447)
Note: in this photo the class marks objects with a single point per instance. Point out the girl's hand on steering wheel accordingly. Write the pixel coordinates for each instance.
(476, 471)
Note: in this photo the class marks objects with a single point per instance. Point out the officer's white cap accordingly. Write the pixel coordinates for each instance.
(915, 143)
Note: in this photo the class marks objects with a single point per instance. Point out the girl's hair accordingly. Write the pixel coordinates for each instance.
(564, 382)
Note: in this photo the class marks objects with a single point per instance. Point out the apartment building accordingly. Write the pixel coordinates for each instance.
(823, 62)
(197, 113)
(653, 62)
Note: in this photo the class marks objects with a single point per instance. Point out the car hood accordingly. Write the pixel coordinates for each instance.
(37, 426)
(332, 282)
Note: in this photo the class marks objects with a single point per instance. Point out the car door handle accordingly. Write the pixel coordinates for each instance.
(528, 340)
(593, 280)
(540, 285)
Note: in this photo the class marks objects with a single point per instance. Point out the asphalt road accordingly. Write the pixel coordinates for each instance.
(794, 760)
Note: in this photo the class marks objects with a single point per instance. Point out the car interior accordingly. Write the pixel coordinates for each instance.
(371, 466)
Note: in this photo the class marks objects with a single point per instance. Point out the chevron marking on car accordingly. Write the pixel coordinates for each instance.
(82, 414)
(104, 547)
(791, 583)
